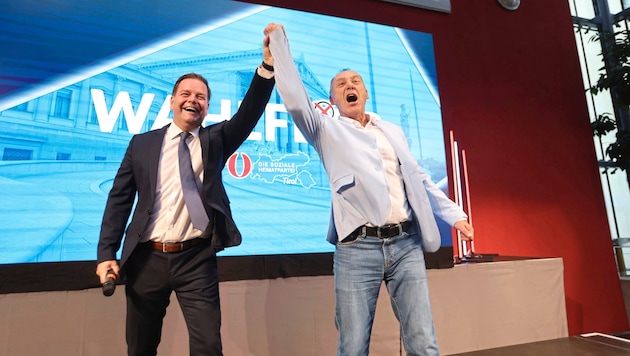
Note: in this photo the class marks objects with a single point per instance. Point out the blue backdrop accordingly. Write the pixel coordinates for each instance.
(79, 78)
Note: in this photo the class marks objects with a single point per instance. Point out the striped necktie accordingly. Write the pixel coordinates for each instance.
(198, 215)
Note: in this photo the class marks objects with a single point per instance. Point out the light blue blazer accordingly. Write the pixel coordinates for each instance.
(359, 188)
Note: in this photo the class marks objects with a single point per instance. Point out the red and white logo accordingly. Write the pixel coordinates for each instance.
(245, 165)
(325, 107)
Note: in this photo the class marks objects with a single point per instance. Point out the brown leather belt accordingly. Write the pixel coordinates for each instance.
(171, 247)
(382, 232)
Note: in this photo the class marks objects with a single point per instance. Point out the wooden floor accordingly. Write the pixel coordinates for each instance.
(586, 345)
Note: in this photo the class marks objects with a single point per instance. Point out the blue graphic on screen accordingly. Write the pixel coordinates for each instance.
(65, 122)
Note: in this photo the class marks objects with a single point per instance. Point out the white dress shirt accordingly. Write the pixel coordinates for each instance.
(170, 221)
(400, 210)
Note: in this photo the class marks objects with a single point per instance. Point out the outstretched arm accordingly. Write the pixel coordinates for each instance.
(253, 105)
(290, 86)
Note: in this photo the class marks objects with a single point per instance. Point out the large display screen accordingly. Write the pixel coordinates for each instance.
(79, 78)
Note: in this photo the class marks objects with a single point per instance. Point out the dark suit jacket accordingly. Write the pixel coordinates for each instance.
(138, 174)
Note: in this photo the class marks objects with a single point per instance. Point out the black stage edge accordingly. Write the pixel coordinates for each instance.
(60, 276)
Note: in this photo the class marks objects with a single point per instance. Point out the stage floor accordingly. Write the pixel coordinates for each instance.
(593, 344)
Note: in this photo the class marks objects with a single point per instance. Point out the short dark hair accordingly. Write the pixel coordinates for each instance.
(191, 76)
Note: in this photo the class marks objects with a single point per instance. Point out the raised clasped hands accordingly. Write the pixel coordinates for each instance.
(267, 57)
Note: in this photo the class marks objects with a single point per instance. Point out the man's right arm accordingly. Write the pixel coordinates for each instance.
(117, 209)
(289, 85)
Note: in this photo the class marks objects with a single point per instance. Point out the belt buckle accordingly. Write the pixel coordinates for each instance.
(165, 250)
(388, 229)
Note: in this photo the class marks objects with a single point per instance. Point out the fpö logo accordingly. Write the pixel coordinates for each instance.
(239, 165)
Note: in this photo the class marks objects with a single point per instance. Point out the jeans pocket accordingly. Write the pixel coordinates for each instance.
(351, 242)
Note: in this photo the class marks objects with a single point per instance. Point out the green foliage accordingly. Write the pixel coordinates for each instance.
(603, 124)
(619, 151)
(615, 77)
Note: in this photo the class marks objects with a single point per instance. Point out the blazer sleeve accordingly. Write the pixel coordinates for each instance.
(237, 129)
(291, 88)
(441, 205)
(118, 208)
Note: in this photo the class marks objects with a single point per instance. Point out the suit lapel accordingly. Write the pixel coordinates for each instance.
(205, 146)
(153, 155)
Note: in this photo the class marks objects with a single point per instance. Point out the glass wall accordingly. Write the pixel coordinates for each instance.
(590, 18)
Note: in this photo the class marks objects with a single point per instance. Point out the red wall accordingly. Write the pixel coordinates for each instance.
(511, 91)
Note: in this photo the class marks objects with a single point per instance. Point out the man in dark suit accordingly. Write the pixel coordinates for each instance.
(165, 249)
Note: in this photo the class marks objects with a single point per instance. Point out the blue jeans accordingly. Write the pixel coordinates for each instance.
(360, 267)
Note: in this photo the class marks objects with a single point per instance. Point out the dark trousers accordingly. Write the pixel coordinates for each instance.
(151, 277)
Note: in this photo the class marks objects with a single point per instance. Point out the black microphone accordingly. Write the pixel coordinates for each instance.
(109, 287)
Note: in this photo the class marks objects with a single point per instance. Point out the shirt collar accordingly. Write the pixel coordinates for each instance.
(355, 122)
(174, 131)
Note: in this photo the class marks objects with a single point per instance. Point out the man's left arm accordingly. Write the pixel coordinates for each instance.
(238, 128)
(446, 209)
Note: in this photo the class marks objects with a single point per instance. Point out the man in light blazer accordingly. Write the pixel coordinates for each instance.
(163, 251)
(383, 207)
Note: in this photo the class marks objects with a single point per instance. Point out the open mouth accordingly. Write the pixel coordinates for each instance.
(191, 109)
(351, 98)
